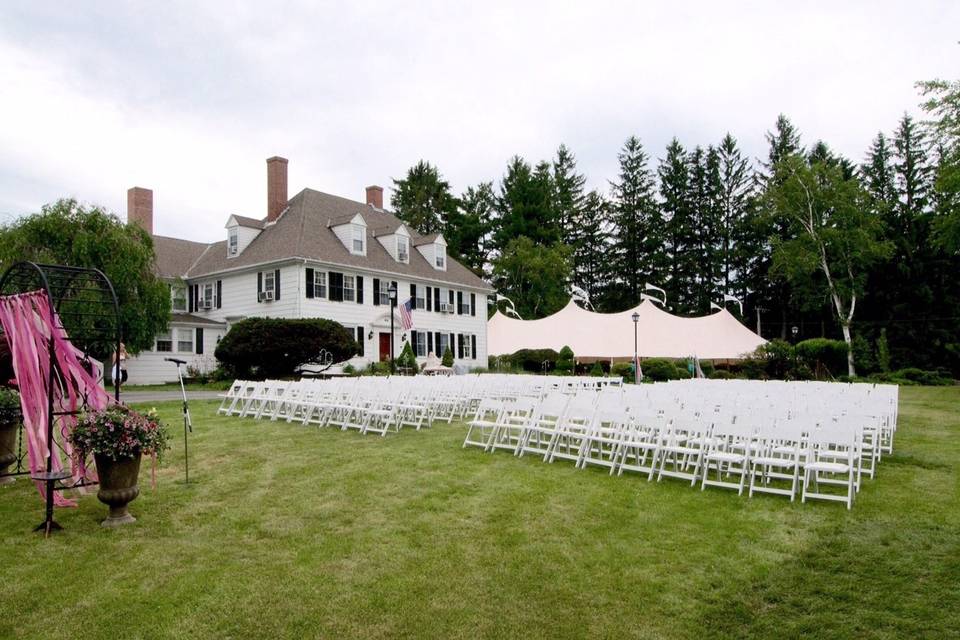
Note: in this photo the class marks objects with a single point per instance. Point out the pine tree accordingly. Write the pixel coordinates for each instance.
(681, 237)
(877, 175)
(524, 205)
(567, 192)
(467, 230)
(423, 199)
(637, 252)
(737, 243)
(591, 246)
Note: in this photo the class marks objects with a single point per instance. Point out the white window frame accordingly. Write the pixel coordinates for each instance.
(420, 302)
(269, 284)
(189, 333)
(403, 249)
(383, 295)
(444, 343)
(208, 294)
(359, 235)
(166, 337)
(420, 345)
(233, 242)
(440, 259)
(319, 284)
(464, 309)
(174, 290)
(351, 288)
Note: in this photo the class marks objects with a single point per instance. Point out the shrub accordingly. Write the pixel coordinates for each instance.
(822, 352)
(596, 370)
(721, 374)
(565, 361)
(775, 359)
(407, 360)
(378, 369)
(660, 369)
(349, 370)
(707, 367)
(275, 347)
(447, 359)
(9, 400)
(532, 359)
(624, 370)
(883, 352)
(863, 355)
(926, 378)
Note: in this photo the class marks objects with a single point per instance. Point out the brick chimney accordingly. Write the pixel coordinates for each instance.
(276, 187)
(375, 196)
(140, 207)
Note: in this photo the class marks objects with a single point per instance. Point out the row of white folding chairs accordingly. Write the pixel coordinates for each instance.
(684, 446)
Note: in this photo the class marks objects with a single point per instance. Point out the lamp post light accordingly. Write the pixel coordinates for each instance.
(392, 291)
(636, 357)
(794, 331)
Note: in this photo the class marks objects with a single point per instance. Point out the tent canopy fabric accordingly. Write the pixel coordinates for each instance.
(718, 336)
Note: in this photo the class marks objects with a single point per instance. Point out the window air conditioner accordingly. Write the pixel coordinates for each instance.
(266, 296)
(206, 305)
(232, 251)
(444, 307)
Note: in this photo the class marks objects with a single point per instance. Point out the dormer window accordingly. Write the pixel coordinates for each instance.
(403, 249)
(441, 258)
(359, 237)
(233, 242)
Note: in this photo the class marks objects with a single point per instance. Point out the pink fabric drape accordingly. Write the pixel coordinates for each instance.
(26, 324)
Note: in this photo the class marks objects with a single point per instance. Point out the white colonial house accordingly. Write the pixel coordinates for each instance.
(315, 255)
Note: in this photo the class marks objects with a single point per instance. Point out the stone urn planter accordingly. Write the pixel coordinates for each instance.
(9, 427)
(118, 487)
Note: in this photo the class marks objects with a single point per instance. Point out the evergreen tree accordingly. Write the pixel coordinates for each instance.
(567, 193)
(637, 253)
(681, 235)
(524, 205)
(591, 247)
(423, 199)
(877, 175)
(467, 229)
(738, 247)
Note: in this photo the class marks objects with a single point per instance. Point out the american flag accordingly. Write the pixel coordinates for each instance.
(406, 317)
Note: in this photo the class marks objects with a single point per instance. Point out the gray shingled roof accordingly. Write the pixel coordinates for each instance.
(244, 221)
(174, 256)
(302, 232)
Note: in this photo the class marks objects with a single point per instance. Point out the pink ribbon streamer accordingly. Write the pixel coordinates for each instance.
(26, 322)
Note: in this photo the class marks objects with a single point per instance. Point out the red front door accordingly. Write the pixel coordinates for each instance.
(384, 347)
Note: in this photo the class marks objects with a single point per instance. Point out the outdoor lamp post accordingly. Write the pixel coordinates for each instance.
(392, 292)
(636, 358)
(794, 331)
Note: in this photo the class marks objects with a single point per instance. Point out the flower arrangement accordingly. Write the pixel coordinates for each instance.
(9, 399)
(119, 432)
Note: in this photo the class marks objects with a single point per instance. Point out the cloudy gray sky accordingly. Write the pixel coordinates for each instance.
(190, 98)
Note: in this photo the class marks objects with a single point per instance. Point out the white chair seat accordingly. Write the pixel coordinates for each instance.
(828, 467)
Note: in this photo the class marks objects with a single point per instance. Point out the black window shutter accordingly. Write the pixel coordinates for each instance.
(190, 298)
(198, 345)
(453, 344)
(413, 296)
(473, 347)
(359, 289)
(430, 342)
(376, 291)
(429, 298)
(436, 298)
(413, 342)
(309, 288)
(259, 284)
(276, 284)
(437, 344)
(460, 304)
(473, 306)
(460, 345)
(219, 293)
(360, 340)
(335, 282)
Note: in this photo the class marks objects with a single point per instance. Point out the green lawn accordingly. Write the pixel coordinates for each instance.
(288, 532)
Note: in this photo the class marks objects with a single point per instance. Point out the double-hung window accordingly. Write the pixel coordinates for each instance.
(349, 288)
(164, 342)
(420, 301)
(232, 242)
(403, 249)
(359, 236)
(384, 293)
(420, 344)
(268, 282)
(444, 343)
(185, 340)
(208, 301)
(178, 296)
(441, 259)
(320, 284)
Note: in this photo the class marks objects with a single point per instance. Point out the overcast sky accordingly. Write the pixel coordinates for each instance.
(190, 98)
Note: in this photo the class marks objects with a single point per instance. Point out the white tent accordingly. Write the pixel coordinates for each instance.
(718, 336)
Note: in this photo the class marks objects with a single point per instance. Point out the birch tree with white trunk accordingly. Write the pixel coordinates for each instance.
(835, 237)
